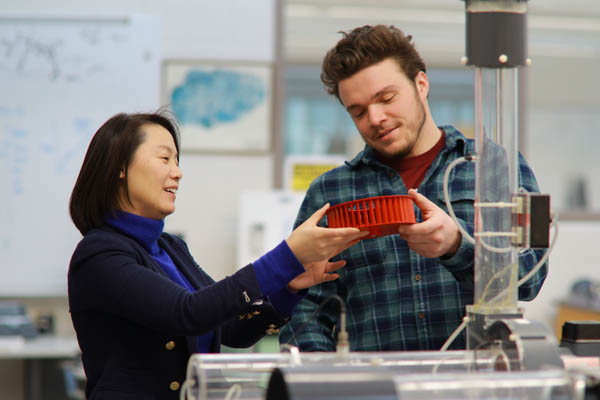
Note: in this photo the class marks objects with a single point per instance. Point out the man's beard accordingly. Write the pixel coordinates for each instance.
(415, 128)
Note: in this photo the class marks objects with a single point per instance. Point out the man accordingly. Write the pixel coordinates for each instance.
(406, 291)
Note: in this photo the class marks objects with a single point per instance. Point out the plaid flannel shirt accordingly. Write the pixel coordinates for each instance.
(395, 298)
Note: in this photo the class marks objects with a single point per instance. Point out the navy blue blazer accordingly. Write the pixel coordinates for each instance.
(137, 328)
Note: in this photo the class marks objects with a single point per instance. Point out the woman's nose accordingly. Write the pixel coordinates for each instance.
(176, 173)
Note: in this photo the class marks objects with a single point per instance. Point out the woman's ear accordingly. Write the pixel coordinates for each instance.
(122, 174)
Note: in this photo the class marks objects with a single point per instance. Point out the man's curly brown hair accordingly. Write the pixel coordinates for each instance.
(365, 46)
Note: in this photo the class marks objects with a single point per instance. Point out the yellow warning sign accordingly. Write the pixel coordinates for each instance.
(304, 174)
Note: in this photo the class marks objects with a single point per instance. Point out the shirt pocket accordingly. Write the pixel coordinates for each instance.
(365, 253)
(461, 202)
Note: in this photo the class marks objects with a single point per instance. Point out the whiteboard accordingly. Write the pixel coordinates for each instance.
(61, 77)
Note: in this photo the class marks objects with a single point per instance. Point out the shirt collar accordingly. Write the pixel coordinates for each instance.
(144, 230)
(454, 140)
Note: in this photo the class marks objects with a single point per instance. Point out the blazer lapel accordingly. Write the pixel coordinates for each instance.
(185, 263)
(197, 279)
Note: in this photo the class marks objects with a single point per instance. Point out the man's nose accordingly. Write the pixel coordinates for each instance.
(376, 114)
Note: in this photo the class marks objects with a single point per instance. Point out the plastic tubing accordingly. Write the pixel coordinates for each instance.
(451, 211)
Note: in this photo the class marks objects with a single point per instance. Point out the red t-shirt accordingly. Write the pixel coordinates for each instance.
(413, 169)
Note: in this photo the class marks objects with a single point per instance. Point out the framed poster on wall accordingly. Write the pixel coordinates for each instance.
(220, 106)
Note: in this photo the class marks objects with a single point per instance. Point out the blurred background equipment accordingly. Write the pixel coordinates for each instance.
(14, 321)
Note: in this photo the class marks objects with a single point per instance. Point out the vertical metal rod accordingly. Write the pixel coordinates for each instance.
(499, 107)
(514, 178)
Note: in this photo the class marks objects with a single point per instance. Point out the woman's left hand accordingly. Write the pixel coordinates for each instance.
(311, 243)
(315, 273)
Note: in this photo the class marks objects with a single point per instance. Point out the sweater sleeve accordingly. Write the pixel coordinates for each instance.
(276, 269)
(285, 301)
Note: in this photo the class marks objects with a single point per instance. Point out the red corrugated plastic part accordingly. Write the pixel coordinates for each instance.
(380, 216)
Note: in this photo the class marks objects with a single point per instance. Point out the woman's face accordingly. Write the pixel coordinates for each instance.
(153, 175)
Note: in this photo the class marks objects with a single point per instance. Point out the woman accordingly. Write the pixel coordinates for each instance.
(139, 303)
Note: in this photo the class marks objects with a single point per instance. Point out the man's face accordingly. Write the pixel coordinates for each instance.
(387, 108)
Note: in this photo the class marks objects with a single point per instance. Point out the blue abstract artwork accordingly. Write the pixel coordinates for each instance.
(221, 106)
(210, 98)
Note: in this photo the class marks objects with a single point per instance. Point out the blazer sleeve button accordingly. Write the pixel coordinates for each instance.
(272, 330)
(170, 345)
(174, 385)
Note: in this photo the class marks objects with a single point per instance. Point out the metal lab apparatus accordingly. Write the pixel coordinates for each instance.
(291, 384)
(215, 376)
(248, 375)
(388, 375)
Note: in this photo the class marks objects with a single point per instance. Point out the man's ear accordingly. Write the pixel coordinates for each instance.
(422, 84)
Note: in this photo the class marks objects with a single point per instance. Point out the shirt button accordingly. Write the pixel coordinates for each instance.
(391, 174)
(170, 345)
(417, 277)
(421, 315)
(174, 385)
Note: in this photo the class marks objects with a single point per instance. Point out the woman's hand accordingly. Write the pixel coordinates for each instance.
(311, 243)
(316, 272)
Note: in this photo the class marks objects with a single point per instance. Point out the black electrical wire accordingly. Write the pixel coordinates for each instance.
(323, 303)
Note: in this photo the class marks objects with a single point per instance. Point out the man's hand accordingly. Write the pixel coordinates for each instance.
(437, 235)
(316, 272)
